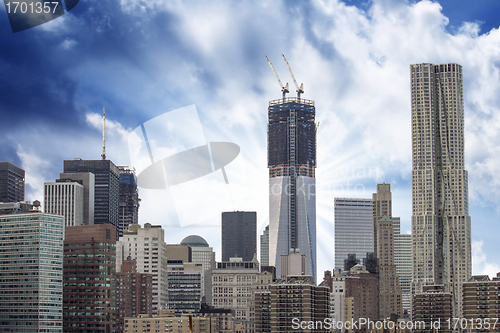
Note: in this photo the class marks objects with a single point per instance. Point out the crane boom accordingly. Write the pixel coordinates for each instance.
(300, 90)
(284, 89)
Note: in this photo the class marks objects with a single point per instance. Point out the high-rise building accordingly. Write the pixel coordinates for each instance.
(291, 159)
(185, 286)
(402, 260)
(441, 225)
(361, 287)
(129, 200)
(481, 302)
(239, 235)
(87, 180)
(353, 228)
(382, 205)
(201, 252)
(147, 246)
(11, 183)
(65, 199)
(390, 294)
(89, 303)
(134, 293)
(264, 247)
(293, 263)
(31, 288)
(232, 283)
(107, 188)
(297, 300)
(431, 306)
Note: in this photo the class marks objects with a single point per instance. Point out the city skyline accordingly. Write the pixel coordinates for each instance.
(354, 62)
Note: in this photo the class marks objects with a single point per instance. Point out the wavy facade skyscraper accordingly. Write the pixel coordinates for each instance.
(291, 149)
(441, 225)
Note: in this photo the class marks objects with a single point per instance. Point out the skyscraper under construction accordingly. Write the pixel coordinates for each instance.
(291, 152)
(441, 225)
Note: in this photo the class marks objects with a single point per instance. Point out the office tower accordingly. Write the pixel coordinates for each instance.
(353, 228)
(167, 322)
(362, 287)
(441, 225)
(402, 260)
(134, 293)
(390, 294)
(89, 303)
(232, 283)
(264, 247)
(107, 188)
(293, 264)
(382, 205)
(180, 251)
(87, 180)
(185, 286)
(65, 199)
(129, 199)
(147, 246)
(11, 183)
(433, 305)
(298, 297)
(239, 235)
(481, 302)
(202, 252)
(291, 159)
(31, 289)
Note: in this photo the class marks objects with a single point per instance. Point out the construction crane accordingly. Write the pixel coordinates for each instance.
(300, 90)
(284, 89)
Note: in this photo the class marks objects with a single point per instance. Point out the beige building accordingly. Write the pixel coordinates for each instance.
(232, 288)
(441, 225)
(166, 322)
(390, 300)
(481, 303)
(147, 246)
(432, 306)
(179, 251)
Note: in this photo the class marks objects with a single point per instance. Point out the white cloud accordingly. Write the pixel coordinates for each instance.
(480, 265)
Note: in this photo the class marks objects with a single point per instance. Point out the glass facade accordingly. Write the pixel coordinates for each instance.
(31, 261)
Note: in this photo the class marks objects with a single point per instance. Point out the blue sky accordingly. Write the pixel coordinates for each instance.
(140, 59)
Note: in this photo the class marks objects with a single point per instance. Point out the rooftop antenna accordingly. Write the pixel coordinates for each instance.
(284, 89)
(103, 155)
(300, 90)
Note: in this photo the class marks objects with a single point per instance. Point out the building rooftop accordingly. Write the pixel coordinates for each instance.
(194, 240)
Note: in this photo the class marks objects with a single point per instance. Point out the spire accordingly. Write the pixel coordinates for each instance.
(103, 155)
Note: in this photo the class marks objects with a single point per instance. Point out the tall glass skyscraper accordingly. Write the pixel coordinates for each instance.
(291, 156)
(441, 225)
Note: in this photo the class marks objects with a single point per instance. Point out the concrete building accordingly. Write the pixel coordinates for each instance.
(264, 247)
(128, 201)
(298, 300)
(90, 262)
(180, 251)
(134, 293)
(261, 301)
(402, 260)
(87, 180)
(390, 293)
(65, 199)
(31, 287)
(293, 264)
(106, 189)
(185, 286)
(232, 284)
(166, 322)
(353, 222)
(432, 306)
(441, 225)
(481, 303)
(382, 205)
(202, 252)
(11, 183)
(239, 235)
(221, 320)
(147, 246)
(361, 294)
(291, 159)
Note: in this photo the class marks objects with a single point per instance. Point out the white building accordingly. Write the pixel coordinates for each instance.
(146, 245)
(65, 199)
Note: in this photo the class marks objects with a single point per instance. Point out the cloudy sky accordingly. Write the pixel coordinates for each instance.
(140, 59)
